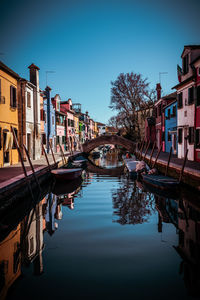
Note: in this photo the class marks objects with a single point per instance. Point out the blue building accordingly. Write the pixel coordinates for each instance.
(171, 127)
(50, 120)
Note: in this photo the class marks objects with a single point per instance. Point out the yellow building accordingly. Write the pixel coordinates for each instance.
(96, 131)
(8, 115)
(76, 129)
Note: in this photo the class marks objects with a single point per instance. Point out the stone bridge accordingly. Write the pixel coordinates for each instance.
(108, 139)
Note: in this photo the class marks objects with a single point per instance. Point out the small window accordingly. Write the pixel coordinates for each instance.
(169, 137)
(180, 135)
(57, 140)
(63, 139)
(69, 123)
(185, 64)
(44, 139)
(174, 111)
(190, 95)
(52, 120)
(180, 100)
(13, 97)
(28, 99)
(191, 135)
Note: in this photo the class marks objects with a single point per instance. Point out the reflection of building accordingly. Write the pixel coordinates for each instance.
(189, 245)
(33, 239)
(10, 263)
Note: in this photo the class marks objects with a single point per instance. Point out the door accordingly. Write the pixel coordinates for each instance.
(174, 141)
(29, 143)
(6, 159)
(185, 139)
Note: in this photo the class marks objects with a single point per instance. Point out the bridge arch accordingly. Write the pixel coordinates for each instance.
(108, 139)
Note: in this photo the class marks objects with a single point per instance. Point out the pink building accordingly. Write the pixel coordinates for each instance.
(60, 124)
(186, 90)
(66, 108)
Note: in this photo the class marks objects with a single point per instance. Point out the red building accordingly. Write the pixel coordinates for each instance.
(160, 115)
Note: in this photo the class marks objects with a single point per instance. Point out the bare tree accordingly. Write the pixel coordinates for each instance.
(130, 94)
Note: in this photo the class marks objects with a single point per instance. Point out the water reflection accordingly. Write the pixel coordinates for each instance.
(131, 204)
(23, 247)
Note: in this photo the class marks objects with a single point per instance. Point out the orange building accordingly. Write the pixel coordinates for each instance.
(8, 115)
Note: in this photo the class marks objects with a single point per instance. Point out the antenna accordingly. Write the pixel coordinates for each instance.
(47, 72)
(161, 73)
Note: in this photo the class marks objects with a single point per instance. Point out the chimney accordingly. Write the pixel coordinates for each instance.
(34, 74)
(158, 89)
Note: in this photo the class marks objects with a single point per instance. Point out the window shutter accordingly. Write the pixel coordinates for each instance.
(191, 135)
(180, 135)
(190, 95)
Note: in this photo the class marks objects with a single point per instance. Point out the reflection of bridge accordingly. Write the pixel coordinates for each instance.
(91, 167)
(108, 139)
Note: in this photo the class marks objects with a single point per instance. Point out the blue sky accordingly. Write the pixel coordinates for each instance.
(89, 43)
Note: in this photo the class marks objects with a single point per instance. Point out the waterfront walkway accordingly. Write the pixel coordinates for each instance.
(11, 175)
(191, 171)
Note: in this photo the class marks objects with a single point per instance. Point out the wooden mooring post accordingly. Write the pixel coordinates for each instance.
(140, 154)
(49, 167)
(22, 162)
(63, 155)
(147, 148)
(169, 157)
(31, 165)
(157, 156)
(152, 151)
(50, 145)
(183, 166)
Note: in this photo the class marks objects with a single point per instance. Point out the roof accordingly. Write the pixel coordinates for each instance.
(33, 66)
(8, 70)
(170, 96)
(191, 78)
(170, 104)
(191, 47)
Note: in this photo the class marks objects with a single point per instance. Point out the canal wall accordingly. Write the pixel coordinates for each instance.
(191, 174)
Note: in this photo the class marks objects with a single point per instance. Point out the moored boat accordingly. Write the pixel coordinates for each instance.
(160, 181)
(67, 174)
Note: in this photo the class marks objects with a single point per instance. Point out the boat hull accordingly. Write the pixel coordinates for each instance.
(67, 174)
(160, 181)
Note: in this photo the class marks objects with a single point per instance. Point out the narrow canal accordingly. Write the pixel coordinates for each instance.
(103, 238)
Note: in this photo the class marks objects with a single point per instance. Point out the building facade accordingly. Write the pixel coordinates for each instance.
(9, 102)
(171, 139)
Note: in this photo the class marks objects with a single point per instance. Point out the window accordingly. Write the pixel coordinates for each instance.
(28, 99)
(16, 134)
(198, 138)
(185, 64)
(52, 120)
(63, 139)
(13, 97)
(169, 137)
(198, 95)
(69, 122)
(168, 113)
(180, 100)
(180, 135)
(72, 123)
(163, 136)
(190, 95)
(191, 135)
(57, 140)
(174, 111)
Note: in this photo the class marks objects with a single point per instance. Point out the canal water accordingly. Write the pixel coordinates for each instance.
(106, 237)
